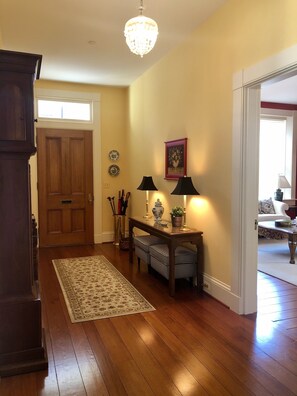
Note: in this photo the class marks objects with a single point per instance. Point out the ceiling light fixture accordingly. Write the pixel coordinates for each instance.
(141, 33)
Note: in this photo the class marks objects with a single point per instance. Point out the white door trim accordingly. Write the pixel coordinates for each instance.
(246, 108)
(94, 125)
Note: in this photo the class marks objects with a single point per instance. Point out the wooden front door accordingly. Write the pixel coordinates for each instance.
(65, 187)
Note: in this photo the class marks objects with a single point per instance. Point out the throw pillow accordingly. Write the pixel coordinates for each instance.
(266, 206)
(259, 207)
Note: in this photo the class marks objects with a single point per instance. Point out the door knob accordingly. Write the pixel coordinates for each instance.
(256, 224)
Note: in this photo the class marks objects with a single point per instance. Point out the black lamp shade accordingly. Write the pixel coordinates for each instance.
(147, 184)
(185, 187)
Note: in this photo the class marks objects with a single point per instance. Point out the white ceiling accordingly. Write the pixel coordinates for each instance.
(82, 40)
(284, 91)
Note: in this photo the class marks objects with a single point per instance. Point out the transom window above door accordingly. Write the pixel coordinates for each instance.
(64, 110)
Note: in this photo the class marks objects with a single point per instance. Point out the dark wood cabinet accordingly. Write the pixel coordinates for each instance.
(21, 339)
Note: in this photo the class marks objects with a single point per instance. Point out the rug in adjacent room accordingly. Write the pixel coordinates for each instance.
(273, 259)
(94, 289)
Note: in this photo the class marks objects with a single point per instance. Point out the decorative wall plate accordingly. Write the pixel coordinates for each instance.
(114, 155)
(113, 170)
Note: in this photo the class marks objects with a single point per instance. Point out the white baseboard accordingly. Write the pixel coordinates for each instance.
(107, 236)
(104, 237)
(221, 292)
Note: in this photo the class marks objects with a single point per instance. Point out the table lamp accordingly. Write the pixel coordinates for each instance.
(282, 183)
(185, 187)
(147, 185)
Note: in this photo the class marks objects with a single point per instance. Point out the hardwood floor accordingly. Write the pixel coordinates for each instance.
(191, 345)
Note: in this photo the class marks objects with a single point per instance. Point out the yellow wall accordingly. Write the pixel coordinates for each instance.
(113, 129)
(189, 94)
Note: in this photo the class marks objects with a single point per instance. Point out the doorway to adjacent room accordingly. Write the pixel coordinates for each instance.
(247, 98)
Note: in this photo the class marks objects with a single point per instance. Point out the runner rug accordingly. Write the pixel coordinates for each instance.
(94, 289)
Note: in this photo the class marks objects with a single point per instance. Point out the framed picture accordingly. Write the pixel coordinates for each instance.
(176, 159)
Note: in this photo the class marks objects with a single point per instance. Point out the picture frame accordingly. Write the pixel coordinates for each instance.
(175, 159)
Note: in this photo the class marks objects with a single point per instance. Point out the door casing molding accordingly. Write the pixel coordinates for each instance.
(95, 127)
(245, 153)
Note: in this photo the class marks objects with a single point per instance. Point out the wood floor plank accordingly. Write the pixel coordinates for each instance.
(131, 377)
(171, 362)
(260, 350)
(108, 369)
(66, 366)
(278, 300)
(275, 292)
(183, 379)
(277, 307)
(292, 333)
(202, 365)
(47, 379)
(89, 370)
(20, 385)
(235, 375)
(152, 371)
(234, 372)
(288, 323)
(283, 349)
(281, 315)
(191, 345)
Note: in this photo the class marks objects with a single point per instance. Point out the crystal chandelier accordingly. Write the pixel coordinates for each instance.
(141, 33)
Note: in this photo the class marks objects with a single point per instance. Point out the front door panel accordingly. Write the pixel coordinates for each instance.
(65, 187)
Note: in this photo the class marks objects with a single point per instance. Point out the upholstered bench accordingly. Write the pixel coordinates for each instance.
(185, 261)
(142, 244)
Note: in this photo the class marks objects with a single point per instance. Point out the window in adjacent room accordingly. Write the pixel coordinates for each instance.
(275, 154)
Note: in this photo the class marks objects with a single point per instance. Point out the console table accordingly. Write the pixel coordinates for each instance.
(174, 237)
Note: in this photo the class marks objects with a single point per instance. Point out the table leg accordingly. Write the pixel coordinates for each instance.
(171, 248)
(130, 242)
(200, 264)
(292, 246)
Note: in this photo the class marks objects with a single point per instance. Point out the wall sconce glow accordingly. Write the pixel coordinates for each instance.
(141, 33)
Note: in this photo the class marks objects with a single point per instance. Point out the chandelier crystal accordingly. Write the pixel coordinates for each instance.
(141, 33)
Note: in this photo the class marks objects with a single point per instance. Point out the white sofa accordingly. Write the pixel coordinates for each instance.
(280, 214)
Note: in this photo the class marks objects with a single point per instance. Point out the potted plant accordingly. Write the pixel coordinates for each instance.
(177, 216)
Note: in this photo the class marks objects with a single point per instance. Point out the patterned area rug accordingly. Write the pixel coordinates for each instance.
(94, 289)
